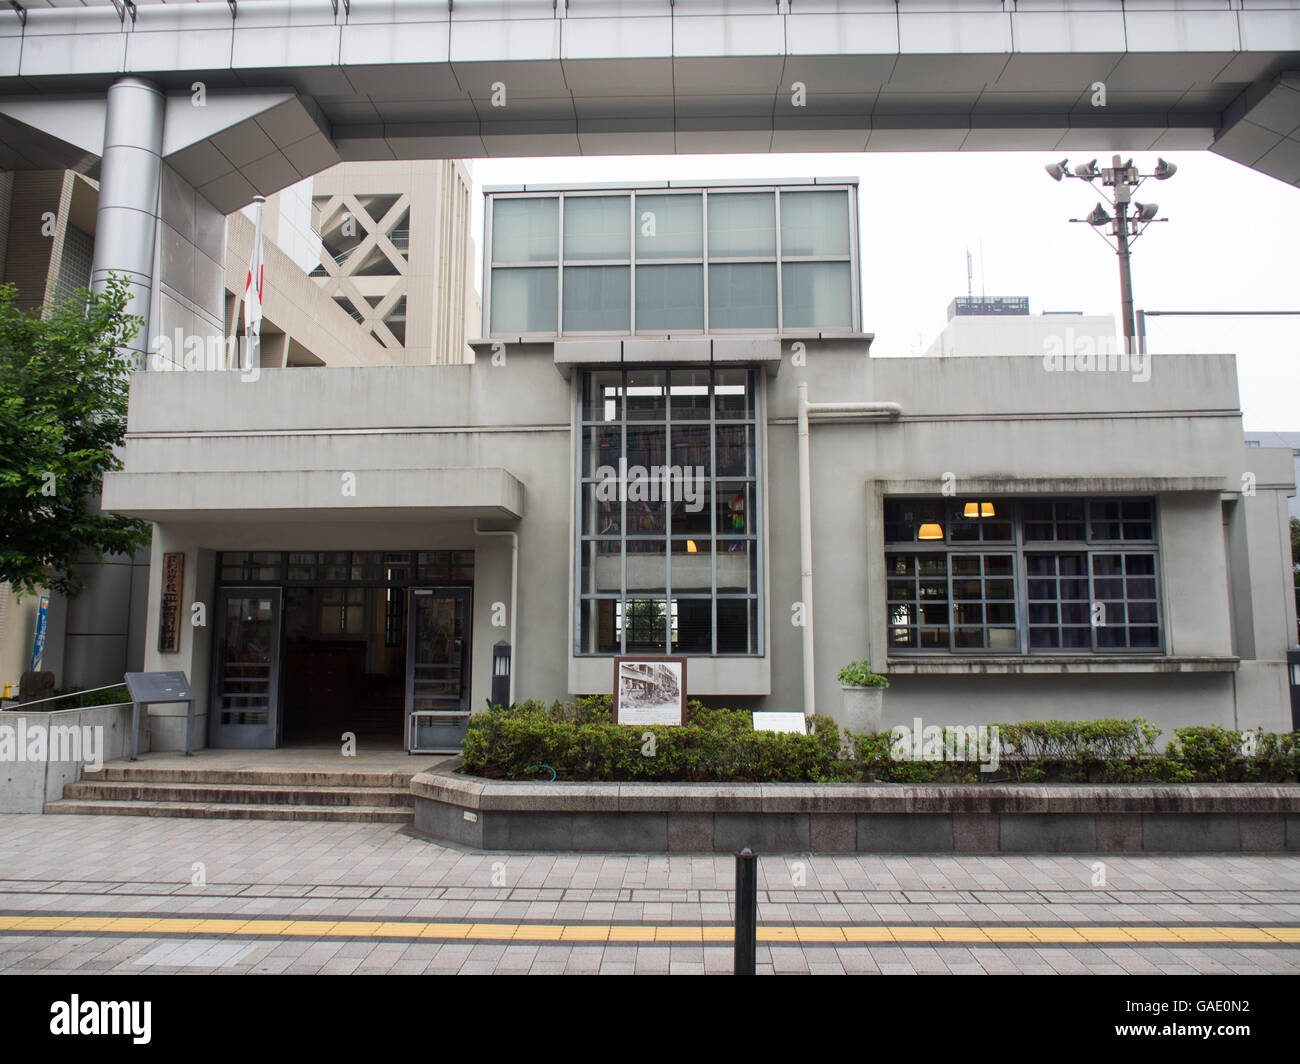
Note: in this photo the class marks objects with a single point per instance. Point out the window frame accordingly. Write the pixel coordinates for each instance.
(704, 260)
(1022, 549)
(754, 535)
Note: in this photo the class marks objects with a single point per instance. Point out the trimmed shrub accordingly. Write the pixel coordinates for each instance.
(1098, 751)
(580, 741)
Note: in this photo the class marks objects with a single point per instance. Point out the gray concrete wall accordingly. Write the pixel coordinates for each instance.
(25, 786)
(190, 289)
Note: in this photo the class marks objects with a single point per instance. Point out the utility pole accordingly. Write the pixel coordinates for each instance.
(1122, 179)
(1125, 227)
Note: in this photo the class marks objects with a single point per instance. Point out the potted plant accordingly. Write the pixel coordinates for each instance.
(864, 693)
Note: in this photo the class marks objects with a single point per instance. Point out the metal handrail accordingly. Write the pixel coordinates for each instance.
(74, 694)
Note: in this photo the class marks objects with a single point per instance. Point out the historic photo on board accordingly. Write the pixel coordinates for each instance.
(649, 690)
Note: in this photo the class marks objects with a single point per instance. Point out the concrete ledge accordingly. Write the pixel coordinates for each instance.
(856, 818)
(942, 665)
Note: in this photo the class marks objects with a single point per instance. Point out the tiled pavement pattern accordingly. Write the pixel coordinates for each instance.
(127, 866)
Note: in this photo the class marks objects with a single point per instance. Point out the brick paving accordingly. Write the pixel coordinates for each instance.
(129, 866)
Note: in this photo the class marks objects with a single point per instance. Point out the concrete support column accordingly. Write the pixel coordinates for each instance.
(130, 185)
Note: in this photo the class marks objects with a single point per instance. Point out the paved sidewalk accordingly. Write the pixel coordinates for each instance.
(325, 897)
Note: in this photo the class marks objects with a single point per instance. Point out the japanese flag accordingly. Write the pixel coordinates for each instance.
(253, 294)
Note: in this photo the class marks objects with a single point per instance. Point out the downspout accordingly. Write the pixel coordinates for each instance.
(514, 597)
(865, 411)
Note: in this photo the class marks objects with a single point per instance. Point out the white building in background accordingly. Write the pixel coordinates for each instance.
(395, 254)
(1004, 326)
(1280, 439)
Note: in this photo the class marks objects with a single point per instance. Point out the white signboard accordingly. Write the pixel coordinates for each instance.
(781, 722)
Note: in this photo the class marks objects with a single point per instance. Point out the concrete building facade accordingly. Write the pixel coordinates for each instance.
(619, 472)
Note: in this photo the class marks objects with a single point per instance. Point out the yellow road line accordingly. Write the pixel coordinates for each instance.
(914, 934)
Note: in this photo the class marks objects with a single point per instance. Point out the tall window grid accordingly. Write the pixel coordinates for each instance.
(1011, 576)
(679, 261)
(669, 498)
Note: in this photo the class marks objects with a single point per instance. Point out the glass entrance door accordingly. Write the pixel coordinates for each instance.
(437, 668)
(244, 707)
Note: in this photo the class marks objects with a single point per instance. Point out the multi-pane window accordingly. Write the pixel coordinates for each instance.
(372, 567)
(670, 261)
(668, 501)
(1069, 575)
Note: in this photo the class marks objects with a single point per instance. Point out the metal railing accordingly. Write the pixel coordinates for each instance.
(23, 706)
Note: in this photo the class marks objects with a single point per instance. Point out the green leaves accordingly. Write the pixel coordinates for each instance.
(581, 742)
(1099, 751)
(63, 407)
(859, 674)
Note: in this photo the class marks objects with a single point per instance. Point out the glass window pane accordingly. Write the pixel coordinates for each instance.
(690, 446)
(602, 446)
(669, 227)
(733, 397)
(814, 223)
(524, 300)
(742, 224)
(602, 506)
(742, 296)
(646, 398)
(689, 393)
(734, 447)
(693, 626)
(816, 294)
(669, 297)
(604, 395)
(596, 299)
(645, 446)
(600, 634)
(737, 626)
(646, 624)
(525, 229)
(596, 227)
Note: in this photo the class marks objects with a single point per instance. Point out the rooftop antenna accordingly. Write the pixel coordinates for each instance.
(968, 274)
(982, 291)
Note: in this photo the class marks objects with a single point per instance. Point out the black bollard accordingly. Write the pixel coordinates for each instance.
(746, 911)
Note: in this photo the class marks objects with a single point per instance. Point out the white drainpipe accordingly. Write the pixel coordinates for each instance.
(849, 410)
(514, 598)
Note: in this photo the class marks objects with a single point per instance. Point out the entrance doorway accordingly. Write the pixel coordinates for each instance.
(375, 643)
(344, 665)
(437, 670)
(244, 702)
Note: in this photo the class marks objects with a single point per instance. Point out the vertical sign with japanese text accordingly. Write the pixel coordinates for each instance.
(169, 617)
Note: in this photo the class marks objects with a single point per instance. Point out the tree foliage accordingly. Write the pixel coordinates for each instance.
(63, 400)
(1295, 549)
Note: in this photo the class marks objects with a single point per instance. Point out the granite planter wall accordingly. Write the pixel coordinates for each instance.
(856, 818)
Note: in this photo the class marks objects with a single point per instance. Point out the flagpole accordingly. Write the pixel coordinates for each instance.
(253, 295)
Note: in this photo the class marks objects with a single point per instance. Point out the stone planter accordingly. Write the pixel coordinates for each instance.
(861, 709)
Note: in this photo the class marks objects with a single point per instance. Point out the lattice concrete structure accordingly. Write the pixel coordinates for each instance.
(396, 254)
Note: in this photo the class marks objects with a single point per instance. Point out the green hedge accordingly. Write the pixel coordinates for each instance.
(579, 740)
(1100, 751)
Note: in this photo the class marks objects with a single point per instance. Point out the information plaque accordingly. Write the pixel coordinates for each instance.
(150, 687)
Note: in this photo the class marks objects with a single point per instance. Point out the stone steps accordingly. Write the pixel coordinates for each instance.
(231, 811)
(126, 789)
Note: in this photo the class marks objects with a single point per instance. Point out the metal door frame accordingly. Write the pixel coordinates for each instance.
(257, 737)
(466, 663)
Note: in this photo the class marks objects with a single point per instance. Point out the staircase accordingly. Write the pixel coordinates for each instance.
(126, 789)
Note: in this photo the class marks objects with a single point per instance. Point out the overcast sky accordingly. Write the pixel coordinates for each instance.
(1231, 244)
